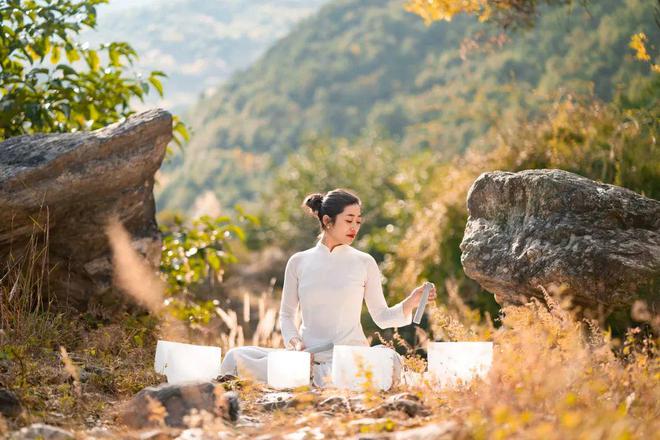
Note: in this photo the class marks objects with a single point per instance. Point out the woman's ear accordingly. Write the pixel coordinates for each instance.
(326, 221)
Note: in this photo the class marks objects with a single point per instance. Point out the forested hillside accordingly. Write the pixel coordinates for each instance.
(363, 66)
(199, 44)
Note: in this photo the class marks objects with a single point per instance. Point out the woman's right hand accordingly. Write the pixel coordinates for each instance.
(416, 295)
(296, 343)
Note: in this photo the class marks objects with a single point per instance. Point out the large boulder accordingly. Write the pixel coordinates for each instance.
(598, 243)
(70, 184)
(169, 404)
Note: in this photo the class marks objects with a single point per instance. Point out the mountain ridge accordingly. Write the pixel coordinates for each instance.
(357, 66)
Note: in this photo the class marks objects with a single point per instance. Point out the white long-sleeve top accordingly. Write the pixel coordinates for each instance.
(329, 287)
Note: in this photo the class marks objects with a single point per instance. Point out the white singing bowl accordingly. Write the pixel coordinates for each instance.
(349, 363)
(288, 368)
(451, 363)
(186, 362)
(162, 348)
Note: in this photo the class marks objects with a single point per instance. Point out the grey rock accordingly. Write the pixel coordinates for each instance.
(433, 431)
(10, 406)
(403, 396)
(597, 243)
(155, 434)
(248, 422)
(276, 400)
(72, 183)
(101, 433)
(334, 404)
(41, 431)
(411, 408)
(283, 399)
(178, 401)
(358, 403)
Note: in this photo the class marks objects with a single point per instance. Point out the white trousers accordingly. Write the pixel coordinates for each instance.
(251, 361)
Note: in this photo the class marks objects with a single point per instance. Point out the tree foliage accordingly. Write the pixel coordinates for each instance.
(602, 141)
(367, 65)
(506, 13)
(52, 83)
(196, 252)
(383, 176)
(414, 202)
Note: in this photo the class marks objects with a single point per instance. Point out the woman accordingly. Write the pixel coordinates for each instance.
(328, 282)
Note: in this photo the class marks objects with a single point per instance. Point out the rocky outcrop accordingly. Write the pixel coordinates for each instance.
(597, 243)
(66, 186)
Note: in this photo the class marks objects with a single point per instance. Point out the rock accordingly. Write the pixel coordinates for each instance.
(10, 406)
(306, 433)
(403, 396)
(195, 434)
(170, 403)
(597, 243)
(71, 183)
(334, 404)
(226, 378)
(284, 399)
(411, 408)
(433, 431)
(358, 403)
(277, 400)
(248, 422)
(100, 433)
(155, 434)
(41, 431)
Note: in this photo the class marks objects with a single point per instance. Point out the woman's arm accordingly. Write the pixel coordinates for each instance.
(383, 316)
(289, 305)
(399, 314)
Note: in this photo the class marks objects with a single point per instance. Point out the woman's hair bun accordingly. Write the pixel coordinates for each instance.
(314, 202)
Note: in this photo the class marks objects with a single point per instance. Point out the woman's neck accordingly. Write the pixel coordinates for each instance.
(329, 242)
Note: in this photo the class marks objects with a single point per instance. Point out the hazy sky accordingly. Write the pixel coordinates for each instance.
(197, 47)
(115, 5)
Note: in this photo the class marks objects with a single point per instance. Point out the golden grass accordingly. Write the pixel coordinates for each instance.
(553, 376)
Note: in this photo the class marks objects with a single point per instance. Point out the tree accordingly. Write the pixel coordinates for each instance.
(39, 92)
(506, 13)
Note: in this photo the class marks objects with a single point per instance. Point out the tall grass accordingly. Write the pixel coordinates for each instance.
(27, 314)
(553, 375)
(556, 377)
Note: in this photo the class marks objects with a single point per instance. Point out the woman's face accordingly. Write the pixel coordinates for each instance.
(346, 226)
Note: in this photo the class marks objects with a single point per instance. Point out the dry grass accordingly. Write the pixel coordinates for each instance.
(552, 377)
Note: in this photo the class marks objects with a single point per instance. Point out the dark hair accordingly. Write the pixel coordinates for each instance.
(330, 204)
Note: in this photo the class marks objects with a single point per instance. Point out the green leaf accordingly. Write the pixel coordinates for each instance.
(66, 69)
(213, 261)
(72, 55)
(55, 54)
(93, 113)
(157, 84)
(93, 60)
(37, 70)
(181, 128)
(114, 57)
